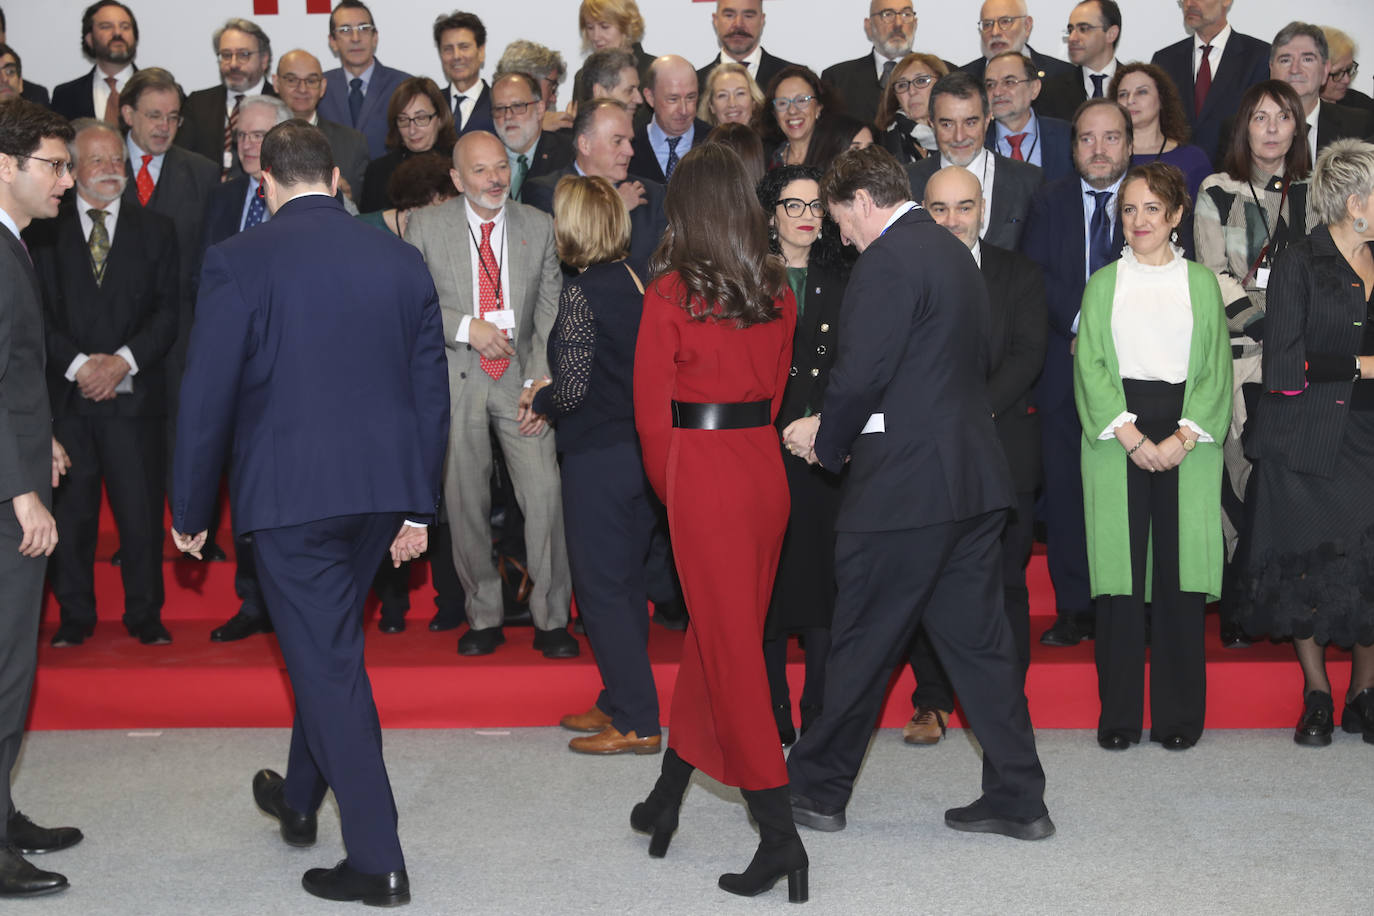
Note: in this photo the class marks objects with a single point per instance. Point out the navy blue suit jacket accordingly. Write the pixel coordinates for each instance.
(480, 119)
(331, 385)
(647, 221)
(36, 94)
(372, 119)
(1245, 63)
(1056, 146)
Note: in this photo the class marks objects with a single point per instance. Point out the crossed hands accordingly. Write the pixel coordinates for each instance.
(531, 423)
(99, 375)
(799, 438)
(1150, 456)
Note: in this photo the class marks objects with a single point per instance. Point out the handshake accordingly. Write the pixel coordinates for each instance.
(799, 438)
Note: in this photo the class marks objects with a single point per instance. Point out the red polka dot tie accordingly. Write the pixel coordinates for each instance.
(144, 181)
(489, 292)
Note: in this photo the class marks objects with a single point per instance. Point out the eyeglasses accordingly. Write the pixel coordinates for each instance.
(1007, 82)
(886, 16)
(419, 120)
(1345, 73)
(800, 102)
(252, 136)
(171, 119)
(362, 30)
(1082, 28)
(906, 84)
(1002, 22)
(291, 80)
(514, 108)
(9, 71)
(60, 167)
(795, 206)
(242, 55)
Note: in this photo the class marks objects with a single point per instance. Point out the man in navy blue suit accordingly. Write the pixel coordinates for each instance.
(332, 386)
(461, 40)
(359, 91)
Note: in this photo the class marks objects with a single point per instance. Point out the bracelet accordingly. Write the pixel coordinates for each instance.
(1132, 450)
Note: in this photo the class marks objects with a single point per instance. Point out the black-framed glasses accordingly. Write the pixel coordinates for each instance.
(421, 120)
(517, 109)
(1345, 73)
(59, 167)
(362, 30)
(1082, 28)
(242, 55)
(908, 83)
(252, 136)
(1002, 22)
(886, 16)
(800, 102)
(795, 206)
(9, 71)
(1007, 82)
(291, 80)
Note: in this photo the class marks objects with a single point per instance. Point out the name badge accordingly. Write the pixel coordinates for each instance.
(504, 319)
(1262, 278)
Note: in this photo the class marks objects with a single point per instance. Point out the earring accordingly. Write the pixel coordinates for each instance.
(1361, 225)
(1173, 236)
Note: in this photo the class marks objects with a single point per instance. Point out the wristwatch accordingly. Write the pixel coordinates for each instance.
(1188, 444)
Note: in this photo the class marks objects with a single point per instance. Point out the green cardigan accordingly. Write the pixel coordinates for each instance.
(1206, 401)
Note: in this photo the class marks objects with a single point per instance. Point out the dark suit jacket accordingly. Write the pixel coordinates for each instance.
(1056, 146)
(204, 117)
(350, 152)
(1353, 98)
(914, 347)
(553, 153)
(645, 162)
(36, 94)
(223, 213)
(292, 358)
(647, 221)
(1061, 95)
(814, 343)
(25, 418)
(1017, 331)
(1013, 185)
(372, 119)
(135, 306)
(768, 68)
(1048, 66)
(856, 83)
(480, 119)
(1245, 63)
(72, 99)
(1056, 239)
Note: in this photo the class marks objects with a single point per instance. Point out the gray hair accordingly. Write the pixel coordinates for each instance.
(278, 107)
(248, 27)
(603, 68)
(523, 56)
(1344, 169)
(1297, 29)
(83, 125)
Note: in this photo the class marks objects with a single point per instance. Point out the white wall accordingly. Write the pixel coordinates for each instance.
(176, 33)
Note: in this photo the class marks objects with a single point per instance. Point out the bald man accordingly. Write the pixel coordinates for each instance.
(300, 82)
(671, 91)
(1005, 25)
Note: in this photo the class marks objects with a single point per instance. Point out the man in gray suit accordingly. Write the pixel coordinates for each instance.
(494, 265)
(34, 174)
(299, 81)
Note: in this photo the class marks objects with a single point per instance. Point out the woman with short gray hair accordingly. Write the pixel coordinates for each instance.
(1309, 570)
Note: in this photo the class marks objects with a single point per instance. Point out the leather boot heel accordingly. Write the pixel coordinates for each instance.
(797, 891)
(657, 815)
(780, 852)
(665, 825)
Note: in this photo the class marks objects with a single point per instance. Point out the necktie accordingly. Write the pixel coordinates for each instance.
(144, 181)
(1098, 79)
(257, 210)
(1100, 233)
(229, 127)
(522, 168)
(99, 243)
(672, 157)
(887, 71)
(112, 103)
(1203, 82)
(458, 101)
(355, 98)
(1015, 141)
(489, 293)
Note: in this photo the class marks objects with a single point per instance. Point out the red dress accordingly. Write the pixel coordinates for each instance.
(727, 501)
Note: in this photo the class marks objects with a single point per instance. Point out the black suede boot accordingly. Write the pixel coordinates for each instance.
(780, 850)
(657, 814)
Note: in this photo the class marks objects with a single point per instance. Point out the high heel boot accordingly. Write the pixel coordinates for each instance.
(657, 814)
(780, 850)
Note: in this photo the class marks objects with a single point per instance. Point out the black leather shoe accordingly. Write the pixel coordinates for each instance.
(152, 633)
(343, 883)
(213, 553)
(556, 643)
(481, 642)
(1176, 743)
(1111, 741)
(269, 791)
(19, 878)
(71, 634)
(240, 626)
(1064, 633)
(1318, 714)
(817, 816)
(31, 839)
(980, 818)
(391, 623)
(671, 615)
(443, 620)
(1358, 717)
(116, 559)
(1233, 637)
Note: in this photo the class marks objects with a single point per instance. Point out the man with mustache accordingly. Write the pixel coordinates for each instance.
(1005, 25)
(739, 29)
(891, 27)
(109, 36)
(210, 116)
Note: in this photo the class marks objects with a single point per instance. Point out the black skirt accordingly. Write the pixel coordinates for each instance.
(804, 591)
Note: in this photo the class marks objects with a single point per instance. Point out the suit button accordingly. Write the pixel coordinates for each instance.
(792, 372)
(469, 348)
(815, 372)
(820, 351)
(824, 328)
(462, 375)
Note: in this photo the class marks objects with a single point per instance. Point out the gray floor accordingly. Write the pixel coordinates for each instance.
(510, 822)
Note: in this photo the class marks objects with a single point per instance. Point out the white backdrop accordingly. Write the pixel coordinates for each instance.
(176, 33)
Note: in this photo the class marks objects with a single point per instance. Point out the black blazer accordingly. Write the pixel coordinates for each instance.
(553, 153)
(769, 66)
(856, 83)
(135, 306)
(1048, 66)
(1056, 146)
(73, 100)
(1016, 333)
(815, 343)
(647, 221)
(1245, 63)
(481, 118)
(204, 117)
(1013, 185)
(36, 94)
(349, 147)
(1061, 95)
(25, 417)
(914, 347)
(645, 162)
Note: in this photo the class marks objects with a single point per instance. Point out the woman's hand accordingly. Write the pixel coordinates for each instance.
(531, 423)
(1148, 457)
(1171, 452)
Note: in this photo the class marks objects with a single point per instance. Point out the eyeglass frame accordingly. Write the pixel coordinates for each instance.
(985, 25)
(1346, 73)
(920, 81)
(886, 16)
(242, 55)
(10, 69)
(800, 102)
(252, 135)
(817, 206)
(60, 167)
(291, 80)
(171, 120)
(363, 28)
(1082, 28)
(402, 122)
(1008, 83)
(501, 111)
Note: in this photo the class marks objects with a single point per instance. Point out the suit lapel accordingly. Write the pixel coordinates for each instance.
(517, 251)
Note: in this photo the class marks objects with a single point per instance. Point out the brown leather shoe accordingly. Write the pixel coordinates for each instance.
(593, 720)
(611, 741)
(927, 726)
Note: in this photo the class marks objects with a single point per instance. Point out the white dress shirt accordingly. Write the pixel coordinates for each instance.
(100, 90)
(111, 209)
(984, 168)
(1108, 72)
(1214, 56)
(751, 61)
(1312, 130)
(499, 250)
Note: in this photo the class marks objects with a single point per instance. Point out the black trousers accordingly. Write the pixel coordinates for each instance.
(392, 584)
(1178, 670)
(609, 520)
(126, 454)
(933, 687)
(1066, 545)
(944, 576)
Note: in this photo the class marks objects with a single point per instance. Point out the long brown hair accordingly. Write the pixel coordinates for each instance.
(1173, 123)
(1236, 160)
(717, 241)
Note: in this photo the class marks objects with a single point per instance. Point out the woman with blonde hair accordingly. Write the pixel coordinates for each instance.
(730, 96)
(612, 24)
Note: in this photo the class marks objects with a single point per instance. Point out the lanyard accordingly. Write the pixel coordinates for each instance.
(495, 281)
(1268, 236)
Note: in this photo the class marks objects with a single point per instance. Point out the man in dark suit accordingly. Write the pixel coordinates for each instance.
(359, 90)
(462, 42)
(1094, 31)
(921, 517)
(518, 109)
(1072, 231)
(33, 176)
(1301, 57)
(1016, 131)
(891, 27)
(1212, 69)
(109, 36)
(671, 91)
(300, 83)
(1005, 25)
(1016, 294)
(12, 81)
(109, 277)
(739, 29)
(322, 502)
(959, 109)
(210, 115)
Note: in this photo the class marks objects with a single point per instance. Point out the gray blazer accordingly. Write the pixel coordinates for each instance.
(441, 234)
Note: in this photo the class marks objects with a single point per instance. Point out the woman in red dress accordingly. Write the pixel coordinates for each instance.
(712, 359)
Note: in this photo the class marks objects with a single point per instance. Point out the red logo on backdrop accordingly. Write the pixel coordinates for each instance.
(269, 7)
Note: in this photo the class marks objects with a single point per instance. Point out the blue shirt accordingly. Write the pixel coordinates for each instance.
(658, 140)
(1030, 146)
(136, 160)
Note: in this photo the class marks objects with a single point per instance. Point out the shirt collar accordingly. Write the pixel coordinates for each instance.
(365, 76)
(1031, 128)
(976, 165)
(879, 60)
(136, 155)
(977, 250)
(752, 60)
(1087, 188)
(475, 222)
(111, 210)
(8, 222)
(897, 214)
(122, 77)
(251, 90)
(658, 139)
(1218, 42)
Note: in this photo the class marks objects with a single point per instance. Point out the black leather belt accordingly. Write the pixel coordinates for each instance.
(744, 415)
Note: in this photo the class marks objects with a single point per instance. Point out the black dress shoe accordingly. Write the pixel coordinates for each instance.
(1233, 637)
(116, 559)
(813, 814)
(240, 626)
(671, 615)
(556, 643)
(343, 883)
(19, 878)
(391, 623)
(213, 553)
(1064, 633)
(152, 633)
(269, 791)
(1315, 727)
(71, 634)
(481, 642)
(446, 620)
(1358, 717)
(1177, 743)
(1113, 741)
(980, 818)
(31, 839)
